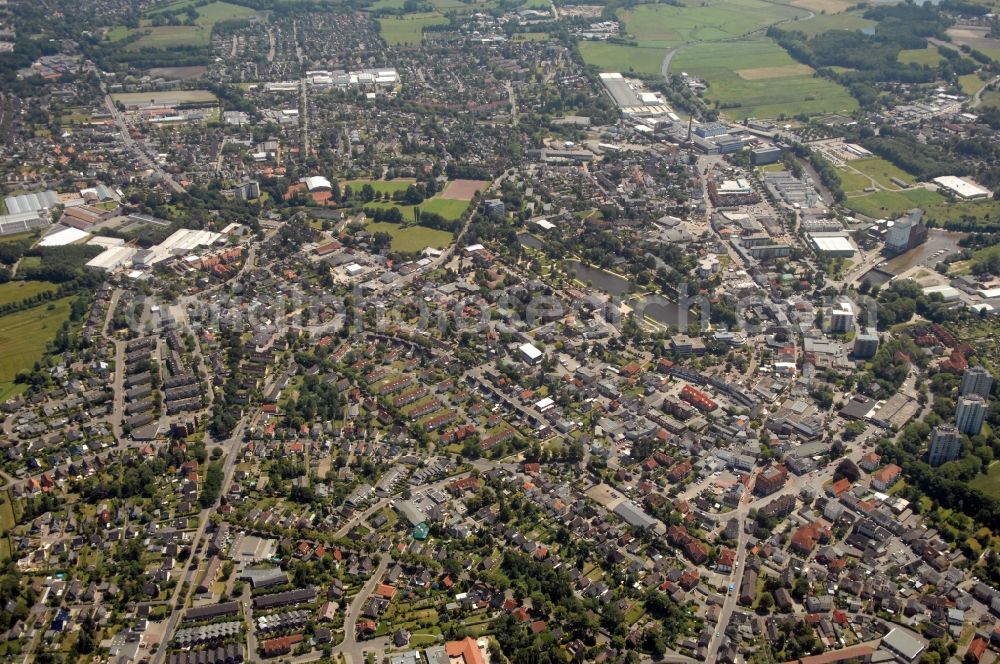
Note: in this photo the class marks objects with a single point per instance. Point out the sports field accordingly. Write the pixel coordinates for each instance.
(463, 190)
(759, 79)
(381, 186)
(408, 29)
(15, 291)
(23, 339)
(165, 97)
(412, 239)
(447, 208)
(182, 73)
(621, 58)
(531, 36)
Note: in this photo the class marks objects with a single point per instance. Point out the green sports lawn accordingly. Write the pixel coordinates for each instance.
(412, 239)
(785, 88)
(448, 208)
(381, 186)
(23, 338)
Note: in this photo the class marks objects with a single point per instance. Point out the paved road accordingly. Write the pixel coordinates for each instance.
(978, 98)
(350, 646)
(232, 447)
(137, 149)
(305, 118)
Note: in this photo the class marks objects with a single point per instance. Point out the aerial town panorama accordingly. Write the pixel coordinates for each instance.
(499, 331)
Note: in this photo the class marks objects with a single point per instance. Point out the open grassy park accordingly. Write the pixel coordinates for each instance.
(881, 171)
(408, 29)
(891, 204)
(412, 238)
(851, 181)
(989, 483)
(448, 208)
(23, 339)
(450, 203)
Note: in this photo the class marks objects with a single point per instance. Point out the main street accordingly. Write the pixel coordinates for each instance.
(137, 149)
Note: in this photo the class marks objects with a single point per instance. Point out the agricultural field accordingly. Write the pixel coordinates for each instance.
(759, 79)
(828, 6)
(666, 26)
(15, 291)
(412, 239)
(408, 29)
(975, 37)
(620, 58)
(881, 170)
(920, 56)
(173, 6)
(23, 339)
(991, 98)
(971, 83)
(820, 24)
(462, 7)
(169, 36)
(165, 97)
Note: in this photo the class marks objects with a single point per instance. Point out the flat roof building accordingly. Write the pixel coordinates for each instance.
(831, 244)
(904, 645)
(529, 353)
(962, 188)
